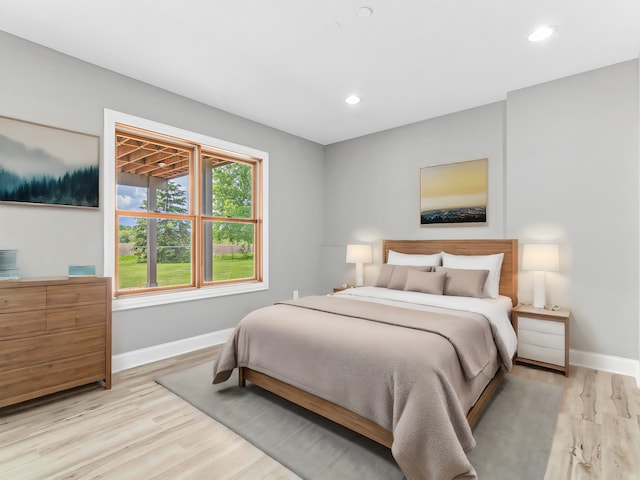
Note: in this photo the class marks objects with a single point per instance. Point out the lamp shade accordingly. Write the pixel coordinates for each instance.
(541, 257)
(359, 254)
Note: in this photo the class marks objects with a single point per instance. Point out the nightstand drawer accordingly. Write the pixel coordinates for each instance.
(541, 339)
(541, 354)
(538, 325)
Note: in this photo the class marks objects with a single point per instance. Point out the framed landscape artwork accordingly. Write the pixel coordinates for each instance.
(454, 193)
(48, 166)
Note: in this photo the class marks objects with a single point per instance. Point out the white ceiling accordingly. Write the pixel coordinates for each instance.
(290, 64)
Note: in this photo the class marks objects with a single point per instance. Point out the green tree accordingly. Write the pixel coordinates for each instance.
(125, 234)
(232, 197)
(174, 236)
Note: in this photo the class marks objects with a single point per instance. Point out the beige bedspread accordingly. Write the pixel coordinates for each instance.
(414, 373)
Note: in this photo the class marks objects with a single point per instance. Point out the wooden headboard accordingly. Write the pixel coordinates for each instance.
(508, 275)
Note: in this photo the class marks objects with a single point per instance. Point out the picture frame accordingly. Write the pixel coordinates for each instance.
(454, 193)
(45, 165)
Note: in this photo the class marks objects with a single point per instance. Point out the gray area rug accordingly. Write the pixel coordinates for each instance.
(513, 436)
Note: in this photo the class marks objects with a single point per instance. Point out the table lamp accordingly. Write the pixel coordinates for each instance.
(359, 254)
(540, 258)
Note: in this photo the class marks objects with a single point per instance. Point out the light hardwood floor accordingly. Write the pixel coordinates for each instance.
(139, 430)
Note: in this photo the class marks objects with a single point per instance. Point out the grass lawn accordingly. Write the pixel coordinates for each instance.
(134, 275)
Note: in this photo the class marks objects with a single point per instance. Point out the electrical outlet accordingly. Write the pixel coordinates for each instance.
(295, 294)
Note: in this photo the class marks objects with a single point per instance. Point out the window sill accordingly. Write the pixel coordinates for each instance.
(154, 299)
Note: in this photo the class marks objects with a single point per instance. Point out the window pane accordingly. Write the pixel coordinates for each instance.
(170, 196)
(227, 188)
(228, 251)
(158, 259)
(151, 175)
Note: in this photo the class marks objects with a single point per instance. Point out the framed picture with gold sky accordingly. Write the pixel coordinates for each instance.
(454, 193)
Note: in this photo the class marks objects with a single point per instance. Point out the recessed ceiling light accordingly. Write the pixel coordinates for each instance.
(352, 99)
(364, 12)
(542, 33)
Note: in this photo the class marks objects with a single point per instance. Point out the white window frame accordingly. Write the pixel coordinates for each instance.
(111, 118)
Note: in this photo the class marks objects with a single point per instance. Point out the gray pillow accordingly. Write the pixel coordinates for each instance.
(464, 283)
(384, 276)
(399, 275)
(425, 282)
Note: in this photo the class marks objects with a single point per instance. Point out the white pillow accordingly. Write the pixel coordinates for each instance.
(396, 258)
(493, 263)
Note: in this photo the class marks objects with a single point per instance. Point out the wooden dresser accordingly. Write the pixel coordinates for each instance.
(54, 334)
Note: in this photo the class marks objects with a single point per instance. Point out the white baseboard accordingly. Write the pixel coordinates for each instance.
(607, 363)
(135, 358)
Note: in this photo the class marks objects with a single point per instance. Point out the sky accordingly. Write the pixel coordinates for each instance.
(454, 185)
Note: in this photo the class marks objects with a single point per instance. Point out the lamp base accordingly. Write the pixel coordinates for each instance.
(539, 290)
(359, 275)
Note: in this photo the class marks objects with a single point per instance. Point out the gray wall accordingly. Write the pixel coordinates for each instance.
(44, 86)
(373, 184)
(572, 178)
(563, 168)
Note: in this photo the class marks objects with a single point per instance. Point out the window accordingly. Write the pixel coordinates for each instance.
(188, 214)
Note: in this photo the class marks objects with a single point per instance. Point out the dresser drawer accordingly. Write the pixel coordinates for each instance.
(81, 316)
(34, 350)
(22, 299)
(36, 380)
(538, 325)
(541, 339)
(72, 295)
(541, 354)
(22, 323)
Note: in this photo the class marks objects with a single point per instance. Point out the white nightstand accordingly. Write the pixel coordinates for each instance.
(543, 337)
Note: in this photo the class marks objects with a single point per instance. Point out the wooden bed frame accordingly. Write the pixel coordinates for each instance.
(364, 426)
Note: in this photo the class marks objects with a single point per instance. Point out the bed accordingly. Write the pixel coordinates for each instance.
(408, 369)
